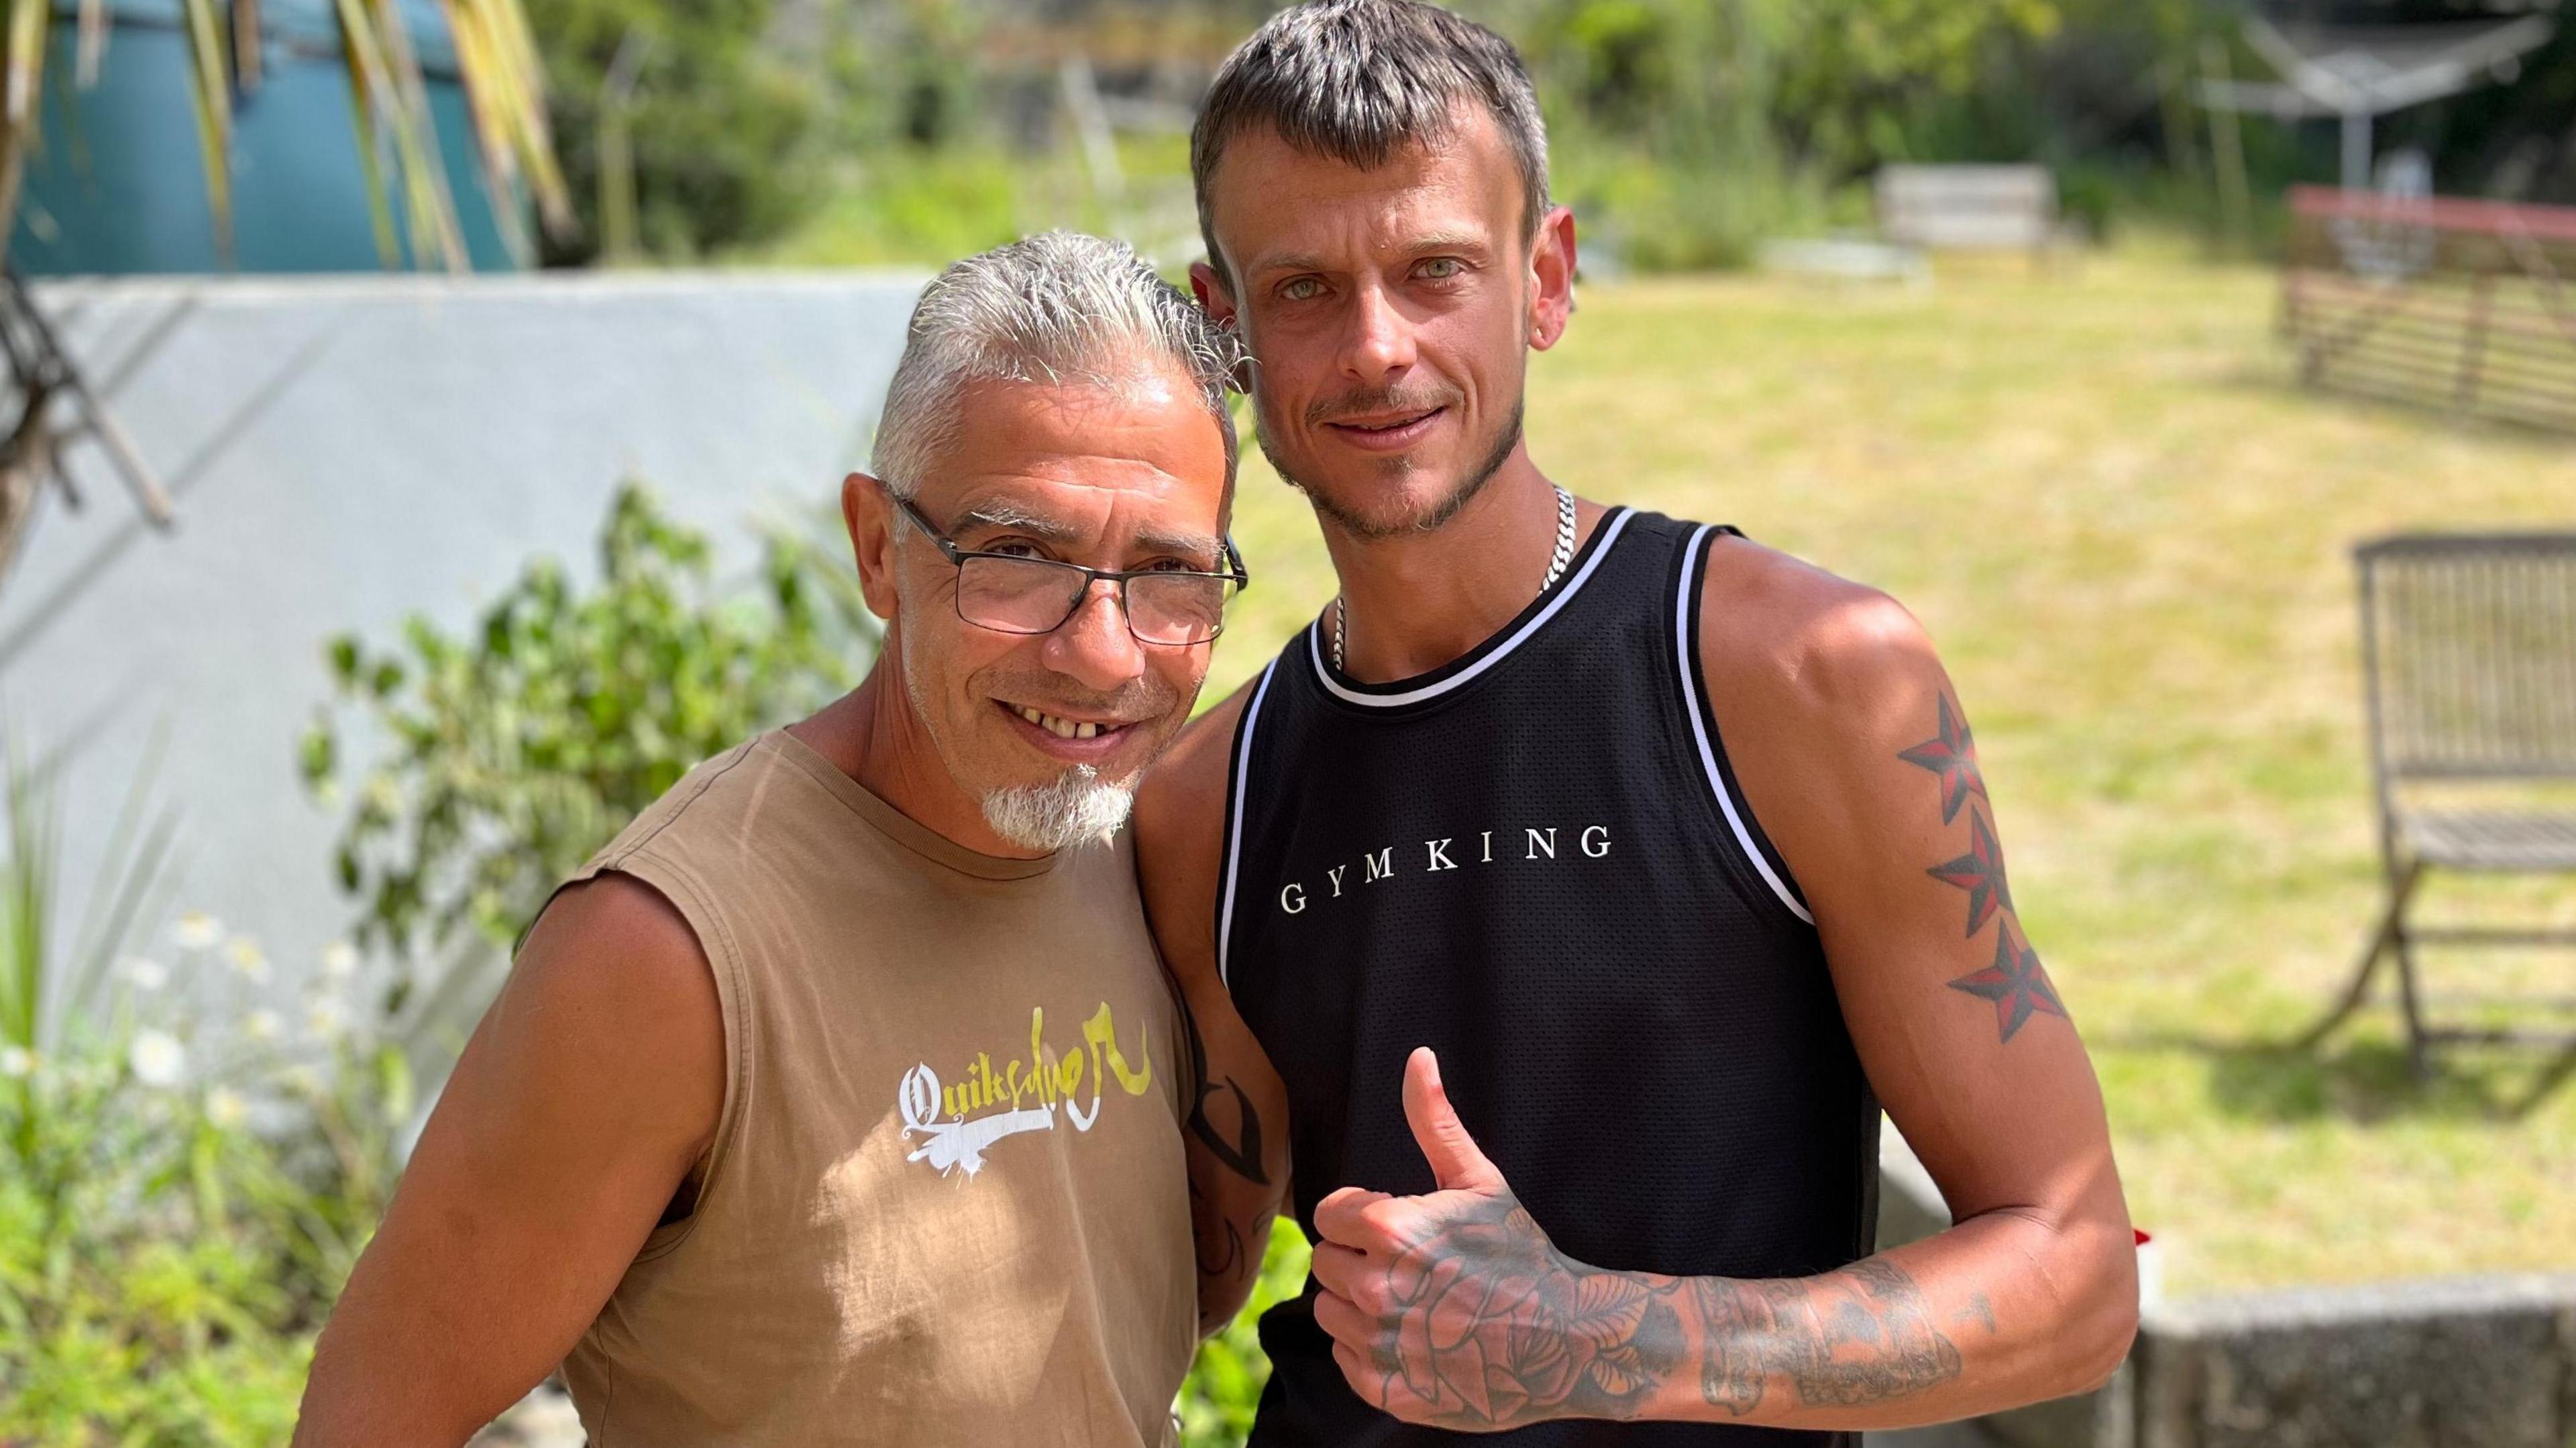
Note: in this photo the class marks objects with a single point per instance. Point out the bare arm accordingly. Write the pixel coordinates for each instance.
(1238, 1122)
(1856, 757)
(586, 1096)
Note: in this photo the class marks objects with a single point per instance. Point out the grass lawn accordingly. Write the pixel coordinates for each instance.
(2128, 530)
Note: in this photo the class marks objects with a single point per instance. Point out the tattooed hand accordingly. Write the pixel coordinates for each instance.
(1454, 1310)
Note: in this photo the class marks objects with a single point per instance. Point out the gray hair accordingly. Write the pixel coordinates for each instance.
(1354, 80)
(1057, 307)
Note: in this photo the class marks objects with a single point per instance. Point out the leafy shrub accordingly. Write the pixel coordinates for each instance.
(507, 757)
(180, 1204)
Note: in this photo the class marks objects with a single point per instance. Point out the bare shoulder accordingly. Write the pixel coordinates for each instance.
(613, 996)
(618, 938)
(1782, 640)
(1180, 829)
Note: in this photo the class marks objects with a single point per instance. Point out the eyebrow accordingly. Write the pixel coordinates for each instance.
(1413, 246)
(1000, 515)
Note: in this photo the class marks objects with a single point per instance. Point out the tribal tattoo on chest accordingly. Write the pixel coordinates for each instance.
(2015, 982)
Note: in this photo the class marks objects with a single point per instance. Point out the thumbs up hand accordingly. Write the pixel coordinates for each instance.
(1453, 1309)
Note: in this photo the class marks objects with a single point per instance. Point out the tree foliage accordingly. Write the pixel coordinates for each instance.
(502, 759)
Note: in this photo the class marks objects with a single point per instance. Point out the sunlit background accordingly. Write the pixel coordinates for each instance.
(427, 416)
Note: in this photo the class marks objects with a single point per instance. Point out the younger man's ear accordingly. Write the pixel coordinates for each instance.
(1552, 275)
(869, 515)
(1209, 287)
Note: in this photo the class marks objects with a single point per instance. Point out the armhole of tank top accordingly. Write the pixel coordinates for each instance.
(673, 882)
(1238, 768)
(1707, 747)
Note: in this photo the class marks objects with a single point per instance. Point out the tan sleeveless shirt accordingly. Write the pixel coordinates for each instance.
(945, 1203)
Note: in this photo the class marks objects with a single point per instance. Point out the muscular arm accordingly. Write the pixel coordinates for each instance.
(588, 1092)
(1453, 1308)
(1856, 755)
(1237, 1131)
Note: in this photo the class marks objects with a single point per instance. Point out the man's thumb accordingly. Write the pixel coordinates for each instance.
(1457, 1163)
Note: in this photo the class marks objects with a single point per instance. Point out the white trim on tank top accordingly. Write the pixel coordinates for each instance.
(1610, 527)
(1693, 688)
(1235, 805)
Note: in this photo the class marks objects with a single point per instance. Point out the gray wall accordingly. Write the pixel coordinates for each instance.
(347, 451)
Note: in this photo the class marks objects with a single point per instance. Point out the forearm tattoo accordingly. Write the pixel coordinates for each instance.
(2015, 983)
(1221, 1251)
(1492, 1327)
(1848, 1339)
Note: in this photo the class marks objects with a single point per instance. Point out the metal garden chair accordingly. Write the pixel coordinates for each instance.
(2468, 647)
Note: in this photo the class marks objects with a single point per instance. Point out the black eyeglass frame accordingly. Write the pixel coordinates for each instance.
(1238, 575)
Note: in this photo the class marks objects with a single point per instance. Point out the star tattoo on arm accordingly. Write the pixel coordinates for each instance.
(1980, 872)
(2015, 982)
(1952, 755)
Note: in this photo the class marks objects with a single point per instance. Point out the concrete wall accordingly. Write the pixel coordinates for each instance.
(2466, 1362)
(347, 451)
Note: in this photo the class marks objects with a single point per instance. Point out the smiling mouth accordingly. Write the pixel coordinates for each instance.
(1380, 426)
(1064, 728)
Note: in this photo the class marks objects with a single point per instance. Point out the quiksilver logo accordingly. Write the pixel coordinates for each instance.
(1445, 853)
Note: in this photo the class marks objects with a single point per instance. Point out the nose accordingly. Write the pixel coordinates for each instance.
(1095, 645)
(1380, 344)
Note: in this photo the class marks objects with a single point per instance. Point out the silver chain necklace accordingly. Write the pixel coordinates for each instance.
(1556, 562)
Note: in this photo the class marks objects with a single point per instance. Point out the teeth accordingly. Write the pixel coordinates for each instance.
(1060, 728)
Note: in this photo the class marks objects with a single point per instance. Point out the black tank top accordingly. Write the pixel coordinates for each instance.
(1535, 860)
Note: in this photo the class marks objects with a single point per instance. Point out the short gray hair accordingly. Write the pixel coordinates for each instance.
(1057, 307)
(1354, 80)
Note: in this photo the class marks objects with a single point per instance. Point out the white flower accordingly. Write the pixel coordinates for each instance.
(325, 1018)
(246, 957)
(262, 1025)
(225, 1107)
(146, 976)
(157, 1058)
(304, 1080)
(197, 930)
(17, 1062)
(339, 960)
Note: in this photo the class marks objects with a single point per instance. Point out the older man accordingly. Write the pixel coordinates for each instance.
(838, 1100)
(1674, 848)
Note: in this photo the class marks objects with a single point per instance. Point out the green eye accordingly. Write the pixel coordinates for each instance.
(1300, 289)
(1442, 268)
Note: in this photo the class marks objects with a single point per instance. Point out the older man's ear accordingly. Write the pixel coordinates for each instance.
(867, 513)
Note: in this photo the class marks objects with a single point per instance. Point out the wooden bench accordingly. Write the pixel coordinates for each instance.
(2437, 301)
(1970, 208)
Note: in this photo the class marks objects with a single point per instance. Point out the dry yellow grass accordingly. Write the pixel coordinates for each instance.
(2129, 531)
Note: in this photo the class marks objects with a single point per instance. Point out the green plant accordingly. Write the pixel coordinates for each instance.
(504, 758)
(181, 1201)
(43, 976)
(1225, 1381)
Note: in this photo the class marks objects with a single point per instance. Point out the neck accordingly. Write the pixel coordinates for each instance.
(873, 735)
(1417, 601)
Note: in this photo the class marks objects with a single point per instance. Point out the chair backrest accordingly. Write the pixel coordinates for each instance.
(1967, 207)
(2469, 655)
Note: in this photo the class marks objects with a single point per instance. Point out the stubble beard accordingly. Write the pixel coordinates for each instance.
(1360, 526)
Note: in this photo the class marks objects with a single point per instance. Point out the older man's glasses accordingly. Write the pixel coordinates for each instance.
(1012, 593)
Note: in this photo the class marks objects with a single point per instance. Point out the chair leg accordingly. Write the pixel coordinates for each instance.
(2416, 1059)
(2384, 940)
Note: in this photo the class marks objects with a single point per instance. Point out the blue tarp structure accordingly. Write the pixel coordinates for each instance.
(119, 186)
